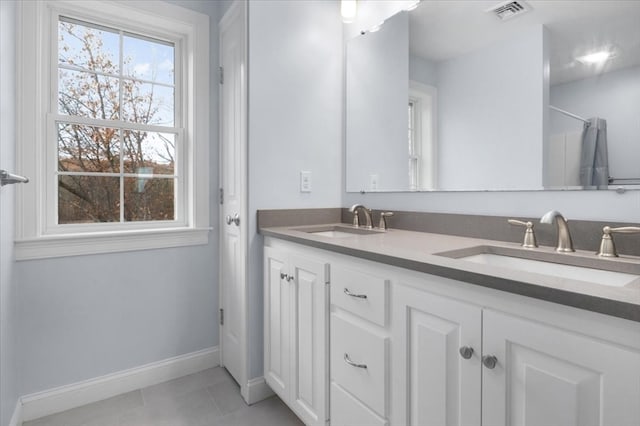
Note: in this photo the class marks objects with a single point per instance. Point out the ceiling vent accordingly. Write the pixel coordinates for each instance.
(509, 9)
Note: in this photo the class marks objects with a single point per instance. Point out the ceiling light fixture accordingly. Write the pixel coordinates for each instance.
(348, 9)
(596, 57)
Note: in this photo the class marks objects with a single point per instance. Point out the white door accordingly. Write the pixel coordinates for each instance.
(310, 340)
(436, 359)
(233, 217)
(547, 376)
(277, 325)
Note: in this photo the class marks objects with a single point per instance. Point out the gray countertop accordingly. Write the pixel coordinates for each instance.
(417, 251)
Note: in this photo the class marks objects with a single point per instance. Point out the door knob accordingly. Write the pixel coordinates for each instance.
(235, 219)
(489, 361)
(466, 352)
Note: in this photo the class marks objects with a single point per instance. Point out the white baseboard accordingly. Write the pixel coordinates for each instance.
(63, 398)
(256, 390)
(16, 418)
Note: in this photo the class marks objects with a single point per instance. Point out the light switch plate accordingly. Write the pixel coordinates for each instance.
(305, 181)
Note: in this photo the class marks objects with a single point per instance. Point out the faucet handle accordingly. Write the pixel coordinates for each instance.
(529, 235)
(607, 246)
(383, 220)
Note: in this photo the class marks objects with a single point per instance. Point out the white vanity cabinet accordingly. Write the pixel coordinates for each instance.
(400, 347)
(543, 375)
(296, 332)
(433, 384)
(548, 376)
(360, 361)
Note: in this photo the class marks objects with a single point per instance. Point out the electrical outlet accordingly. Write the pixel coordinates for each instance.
(373, 182)
(305, 181)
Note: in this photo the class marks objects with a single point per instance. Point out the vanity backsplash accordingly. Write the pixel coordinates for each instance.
(586, 235)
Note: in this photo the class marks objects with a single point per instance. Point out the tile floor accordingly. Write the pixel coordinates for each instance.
(208, 398)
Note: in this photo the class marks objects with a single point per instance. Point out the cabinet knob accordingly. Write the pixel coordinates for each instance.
(466, 352)
(284, 276)
(489, 361)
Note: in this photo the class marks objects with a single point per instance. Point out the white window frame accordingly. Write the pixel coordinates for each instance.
(38, 235)
(425, 106)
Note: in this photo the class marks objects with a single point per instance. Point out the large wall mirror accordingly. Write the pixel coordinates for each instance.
(456, 96)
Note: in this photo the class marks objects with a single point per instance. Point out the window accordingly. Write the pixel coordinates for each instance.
(422, 145)
(414, 145)
(120, 141)
(115, 126)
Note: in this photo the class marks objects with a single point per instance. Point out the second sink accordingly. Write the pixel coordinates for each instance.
(593, 270)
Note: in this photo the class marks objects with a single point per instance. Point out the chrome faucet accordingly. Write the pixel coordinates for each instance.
(367, 215)
(565, 245)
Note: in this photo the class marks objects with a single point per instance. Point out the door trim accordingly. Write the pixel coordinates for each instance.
(237, 10)
(256, 390)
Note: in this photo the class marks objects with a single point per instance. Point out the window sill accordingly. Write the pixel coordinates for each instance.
(109, 242)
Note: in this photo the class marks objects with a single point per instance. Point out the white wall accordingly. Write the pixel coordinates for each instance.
(9, 391)
(82, 317)
(376, 107)
(614, 96)
(423, 70)
(490, 119)
(295, 122)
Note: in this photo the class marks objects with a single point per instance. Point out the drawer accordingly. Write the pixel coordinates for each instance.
(361, 346)
(348, 411)
(372, 303)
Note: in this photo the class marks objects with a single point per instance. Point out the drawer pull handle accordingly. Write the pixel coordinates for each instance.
(489, 361)
(359, 296)
(351, 363)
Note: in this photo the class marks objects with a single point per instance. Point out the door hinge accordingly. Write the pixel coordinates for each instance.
(221, 75)
(221, 316)
(221, 196)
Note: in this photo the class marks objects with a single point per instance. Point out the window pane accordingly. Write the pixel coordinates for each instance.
(88, 199)
(88, 149)
(147, 103)
(149, 152)
(147, 199)
(90, 47)
(87, 94)
(147, 59)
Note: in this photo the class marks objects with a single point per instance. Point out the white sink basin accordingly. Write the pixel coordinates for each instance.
(597, 276)
(337, 231)
(333, 234)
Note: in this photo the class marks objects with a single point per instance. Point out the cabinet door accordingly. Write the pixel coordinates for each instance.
(432, 383)
(277, 323)
(309, 391)
(549, 376)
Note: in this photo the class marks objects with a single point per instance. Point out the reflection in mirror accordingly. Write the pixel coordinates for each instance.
(452, 97)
